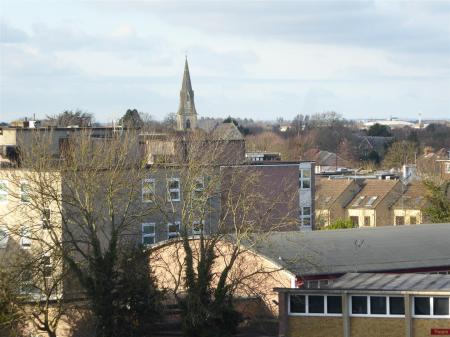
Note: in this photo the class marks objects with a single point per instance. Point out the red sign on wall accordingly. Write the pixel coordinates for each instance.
(440, 332)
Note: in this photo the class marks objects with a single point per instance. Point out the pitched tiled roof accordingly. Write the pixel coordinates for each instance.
(328, 190)
(414, 197)
(373, 188)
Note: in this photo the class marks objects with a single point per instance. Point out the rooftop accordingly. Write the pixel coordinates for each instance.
(372, 192)
(376, 249)
(392, 282)
(328, 190)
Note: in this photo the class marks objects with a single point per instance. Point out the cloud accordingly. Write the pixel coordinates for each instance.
(9, 34)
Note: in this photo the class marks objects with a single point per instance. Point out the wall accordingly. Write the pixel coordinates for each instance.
(361, 213)
(422, 327)
(300, 326)
(407, 214)
(260, 274)
(377, 327)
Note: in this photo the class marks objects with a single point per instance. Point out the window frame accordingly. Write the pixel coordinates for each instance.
(145, 235)
(24, 193)
(368, 309)
(170, 190)
(304, 217)
(4, 192)
(175, 223)
(145, 191)
(26, 238)
(202, 225)
(198, 191)
(369, 222)
(431, 303)
(307, 313)
(302, 178)
(44, 219)
(398, 217)
(5, 239)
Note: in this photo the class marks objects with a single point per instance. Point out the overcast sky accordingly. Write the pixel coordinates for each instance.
(254, 59)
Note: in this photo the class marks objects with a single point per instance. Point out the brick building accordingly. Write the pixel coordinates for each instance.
(366, 305)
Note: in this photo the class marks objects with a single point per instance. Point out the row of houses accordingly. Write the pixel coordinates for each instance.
(369, 202)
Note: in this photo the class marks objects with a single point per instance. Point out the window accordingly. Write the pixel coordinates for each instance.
(355, 220)
(46, 218)
(358, 201)
(26, 282)
(4, 236)
(305, 216)
(431, 306)
(334, 304)
(447, 167)
(359, 305)
(199, 186)
(148, 234)
(412, 220)
(396, 306)
(173, 230)
(24, 192)
(399, 220)
(148, 190)
(378, 305)
(440, 306)
(371, 200)
(367, 221)
(3, 192)
(197, 227)
(315, 305)
(422, 306)
(47, 268)
(297, 304)
(305, 178)
(173, 185)
(25, 237)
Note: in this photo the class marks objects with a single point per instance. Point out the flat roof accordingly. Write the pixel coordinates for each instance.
(377, 249)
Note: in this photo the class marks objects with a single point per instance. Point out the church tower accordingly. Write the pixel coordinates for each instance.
(186, 115)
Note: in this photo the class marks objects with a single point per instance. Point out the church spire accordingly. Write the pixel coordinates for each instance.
(186, 115)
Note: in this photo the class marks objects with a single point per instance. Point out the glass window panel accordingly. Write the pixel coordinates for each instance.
(440, 306)
(396, 305)
(316, 304)
(174, 184)
(378, 305)
(148, 240)
(334, 304)
(306, 210)
(421, 305)
(297, 303)
(359, 305)
(148, 229)
(306, 183)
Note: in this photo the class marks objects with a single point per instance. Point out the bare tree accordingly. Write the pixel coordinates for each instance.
(222, 215)
(89, 199)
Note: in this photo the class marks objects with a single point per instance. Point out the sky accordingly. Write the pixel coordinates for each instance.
(248, 59)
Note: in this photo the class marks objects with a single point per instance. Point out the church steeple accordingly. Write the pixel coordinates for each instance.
(186, 115)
